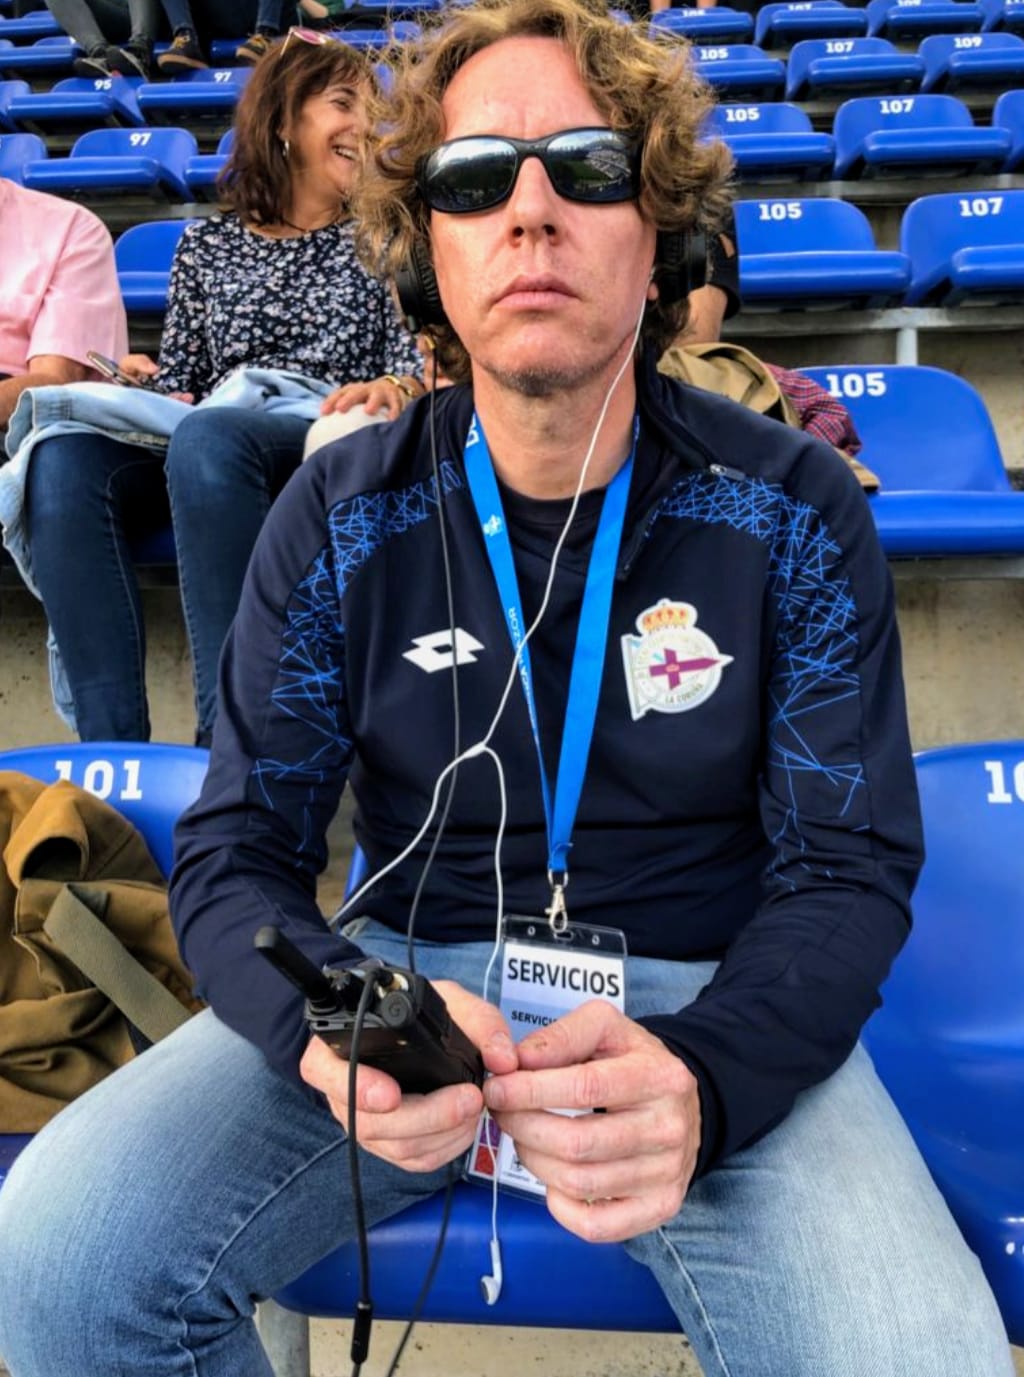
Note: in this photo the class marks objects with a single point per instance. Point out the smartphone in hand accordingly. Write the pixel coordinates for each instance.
(116, 373)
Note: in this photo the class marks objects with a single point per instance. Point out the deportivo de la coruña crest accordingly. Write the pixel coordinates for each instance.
(671, 666)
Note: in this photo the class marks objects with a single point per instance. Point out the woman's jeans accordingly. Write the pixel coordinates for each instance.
(229, 18)
(89, 497)
(140, 1226)
(95, 23)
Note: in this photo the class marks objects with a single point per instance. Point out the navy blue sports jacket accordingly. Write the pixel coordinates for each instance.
(750, 794)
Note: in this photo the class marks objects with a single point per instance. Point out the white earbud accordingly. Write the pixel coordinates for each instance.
(490, 1287)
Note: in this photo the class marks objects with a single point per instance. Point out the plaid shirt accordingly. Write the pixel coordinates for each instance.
(820, 414)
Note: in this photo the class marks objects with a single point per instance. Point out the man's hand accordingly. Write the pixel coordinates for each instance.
(612, 1175)
(415, 1132)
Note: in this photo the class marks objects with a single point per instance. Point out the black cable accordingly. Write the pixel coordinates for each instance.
(428, 1280)
(363, 1321)
(410, 954)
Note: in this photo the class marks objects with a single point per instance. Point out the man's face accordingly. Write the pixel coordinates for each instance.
(544, 293)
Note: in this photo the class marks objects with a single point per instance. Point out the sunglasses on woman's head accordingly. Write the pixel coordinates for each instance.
(479, 171)
(315, 36)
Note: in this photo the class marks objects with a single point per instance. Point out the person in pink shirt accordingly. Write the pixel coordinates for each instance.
(59, 296)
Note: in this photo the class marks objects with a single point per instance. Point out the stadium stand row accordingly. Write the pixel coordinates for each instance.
(872, 136)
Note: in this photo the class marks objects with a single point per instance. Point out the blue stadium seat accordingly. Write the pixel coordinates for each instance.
(715, 25)
(551, 1278)
(202, 171)
(965, 248)
(1008, 114)
(31, 27)
(773, 141)
(972, 62)
(118, 162)
(50, 57)
(911, 20)
(364, 39)
(150, 783)
(885, 136)
(16, 150)
(845, 66)
(928, 435)
(208, 94)
(8, 91)
(819, 252)
(79, 102)
(948, 1041)
(224, 51)
(740, 71)
(143, 255)
(780, 25)
(407, 8)
(1003, 16)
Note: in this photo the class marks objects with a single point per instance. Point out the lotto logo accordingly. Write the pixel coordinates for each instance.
(440, 650)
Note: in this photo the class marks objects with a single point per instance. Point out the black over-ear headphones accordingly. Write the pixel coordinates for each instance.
(680, 267)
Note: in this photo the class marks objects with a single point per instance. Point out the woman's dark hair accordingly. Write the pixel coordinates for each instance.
(256, 181)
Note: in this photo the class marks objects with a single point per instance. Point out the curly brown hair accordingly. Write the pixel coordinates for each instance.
(641, 85)
(256, 180)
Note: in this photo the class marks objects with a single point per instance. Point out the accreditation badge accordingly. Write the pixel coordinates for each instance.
(545, 975)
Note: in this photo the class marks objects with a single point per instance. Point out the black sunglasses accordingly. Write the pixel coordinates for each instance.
(479, 171)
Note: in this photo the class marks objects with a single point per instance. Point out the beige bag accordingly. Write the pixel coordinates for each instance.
(85, 938)
(731, 371)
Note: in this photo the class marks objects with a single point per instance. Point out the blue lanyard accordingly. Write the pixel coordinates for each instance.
(591, 635)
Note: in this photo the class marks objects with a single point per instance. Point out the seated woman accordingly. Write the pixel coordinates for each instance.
(273, 283)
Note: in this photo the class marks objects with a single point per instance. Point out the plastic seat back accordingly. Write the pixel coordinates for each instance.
(47, 57)
(913, 19)
(1006, 16)
(772, 141)
(978, 60)
(15, 151)
(785, 22)
(940, 234)
(801, 226)
(170, 147)
(740, 70)
(768, 117)
(820, 65)
(924, 430)
(149, 247)
(719, 24)
(8, 91)
(151, 783)
(877, 133)
(29, 28)
(1008, 114)
(75, 102)
(949, 1039)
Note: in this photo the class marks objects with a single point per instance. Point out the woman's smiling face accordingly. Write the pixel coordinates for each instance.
(326, 138)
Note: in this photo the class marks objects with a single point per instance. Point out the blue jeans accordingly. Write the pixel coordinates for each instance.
(88, 495)
(228, 19)
(225, 466)
(138, 1227)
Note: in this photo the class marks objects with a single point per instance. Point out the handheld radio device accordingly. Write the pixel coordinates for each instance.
(407, 1030)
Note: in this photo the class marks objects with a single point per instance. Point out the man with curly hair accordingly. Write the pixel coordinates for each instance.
(703, 729)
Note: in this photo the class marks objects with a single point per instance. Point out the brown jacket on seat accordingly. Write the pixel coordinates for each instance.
(59, 1035)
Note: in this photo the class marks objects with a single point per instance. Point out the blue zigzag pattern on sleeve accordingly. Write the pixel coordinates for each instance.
(308, 686)
(815, 673)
